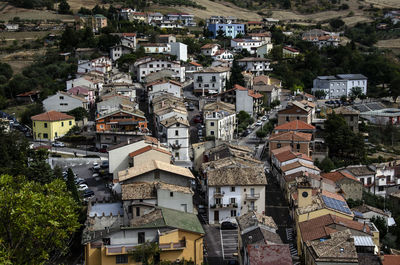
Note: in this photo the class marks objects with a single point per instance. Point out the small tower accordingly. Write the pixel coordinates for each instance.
(304, 194)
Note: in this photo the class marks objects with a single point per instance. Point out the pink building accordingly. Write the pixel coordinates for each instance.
(85, 92)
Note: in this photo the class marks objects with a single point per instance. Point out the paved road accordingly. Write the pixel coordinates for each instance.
(71, 151)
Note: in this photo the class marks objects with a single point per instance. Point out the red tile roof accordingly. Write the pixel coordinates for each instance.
(129, 34)
(52, 116)
(29, 93)
(209, 45)
(337, 176)
(195, 64)
(291, 136)
(255, 94)
(317, 228)
(146, 149)
(289, 155)
(280, 150)
(293, 109)
(295, 125)
(290, 49)
(262, 254)
(390, 260)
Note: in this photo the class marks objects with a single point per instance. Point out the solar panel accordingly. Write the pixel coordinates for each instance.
(336, 205)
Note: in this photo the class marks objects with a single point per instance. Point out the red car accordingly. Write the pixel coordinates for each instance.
(103, 150)
(198, 119)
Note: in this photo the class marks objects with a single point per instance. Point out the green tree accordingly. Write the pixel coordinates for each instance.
(356, 92)
(35, 109)
(320, 94)
(380, 223)
(71, 187)
(79, 113)
(6, 70)
(147, 253)
(394, 87)
(336, 23)
(63, 7)
(37, 221)
(326, 165)
(261, 134)
(237, 77)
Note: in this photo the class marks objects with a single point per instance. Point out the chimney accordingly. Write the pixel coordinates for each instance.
(365, 227)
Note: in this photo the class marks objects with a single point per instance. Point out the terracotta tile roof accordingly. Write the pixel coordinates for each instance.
(337, 176)
(29, 93)
(290, 49)
(262, 254)
(52, 116)
(291, 136)
(346, 110)
(252, 218)
(146, 149)
(303, 156)
(171, 187)
(280, 150)
(174, 120)
(236, 176)
(151, 166)
(254, 94)
(163, 81)
(239, 87)
(195, 64)
(291, 177)
(298, 164)
(367, 208)
(209, 45)
(293, 109)
(262, 79)
(333, 195)
(317, 228)
(390, 260)
(285, 156)
(294, 126)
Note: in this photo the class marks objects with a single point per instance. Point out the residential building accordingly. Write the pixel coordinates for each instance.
(179, 50)
(250, 45)
(179, 236)
(166, 38)
(145, 66)
(156, 16)
(296, 111)
(122, 89)
(350, 115)
(365, 174)
(220, 120)
(296, 125)
(11, 27)
(289, 52)
(254, 26)
(351, 187)
(164, 86)
(226, 150)
(185, 19)
(269, 254)
(191, 68)
(263, 50)
(138, 16)
(223, 55)
(112, 103)
(102, 65)
(221, 20)
(256, 66)
(270, 87)
(394, 16)
(227, 30)
(244, 99)
(82, 91)
(233, 191)
(95, 83)
(269, 21)
(51, 125)
(140, 198)
(321, 38)
(211, 80)
(150, 48)
(364, 213)
(175, 132)
(123, 156)
(131, 121)
(299, 141)
(339, 85)
(64, 102)
(265, 37)
(125, 13)
(118, 50)
(28, 97)
(96, 22)
(210, 49)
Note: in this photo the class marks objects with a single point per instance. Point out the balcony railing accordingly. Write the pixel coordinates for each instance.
(172, 245)
(218, 194)
(175, 146)
(229, 205)
(252, 208)
(252, 196)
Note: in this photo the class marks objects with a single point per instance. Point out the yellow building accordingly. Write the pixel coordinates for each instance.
(51, 125)
(179, 236)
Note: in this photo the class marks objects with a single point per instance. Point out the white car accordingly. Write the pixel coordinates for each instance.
(58, 144)
(264, 118)
(95, 175)
(259, 123)
(83, 187)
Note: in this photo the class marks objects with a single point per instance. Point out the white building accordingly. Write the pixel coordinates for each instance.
(265, 37)
(166, 86)
(246, 44)
(64, 102)
(179, 50)
(102, 64)
(321, 38)
(340, 85)
(210, 49)
(118, 50)
(220, 120)
(223, 55)
(145, 66)
(90, 82)
(264, 50)
(234, 191)
(257, 66)
(210, 80)
(176, 133)
(150, 48)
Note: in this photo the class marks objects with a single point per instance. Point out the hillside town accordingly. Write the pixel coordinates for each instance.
(157, 145)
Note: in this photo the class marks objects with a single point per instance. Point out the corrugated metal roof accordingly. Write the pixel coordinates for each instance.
(363, 241)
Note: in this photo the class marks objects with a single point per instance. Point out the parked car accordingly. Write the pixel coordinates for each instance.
(96, 166)
(198, 119)
(104, 164)
(95, 175)
(258, 123)
(264, 118)
(103, 150)
(79, 181)
(191, 106)
(93, 149)
(226, 225)
(83, 187)
(88, 193)
(58, 144)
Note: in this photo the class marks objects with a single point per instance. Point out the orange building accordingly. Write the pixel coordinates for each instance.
(121, 121)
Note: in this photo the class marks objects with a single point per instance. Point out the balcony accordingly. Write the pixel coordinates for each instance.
(219, 206)
(172, 245)
(175, 146)
(213, 80)
(252, 208)
(252, 196)
(219, 194)
(198, 80)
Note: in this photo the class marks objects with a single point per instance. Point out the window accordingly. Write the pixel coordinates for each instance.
(212, 123)
(62, 124)
(233, 189)
(369, 181)
(45, 135)
(177, 155)
(45, 125)
(233, 213)
(70, 122)
(171, 194)
(176, 132)
(233, 200)
(218, 189)
(141, 238)
(137, 211)
(298, 146)
(212, 132)
(55, 134)
(362, 180)
(351, 118)
(298, 117)
(218, 201)
(287, 118)
(380, 188)
(278, 145)
(121, 259)
(34, 124)
(61, 97)
(176, 142)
